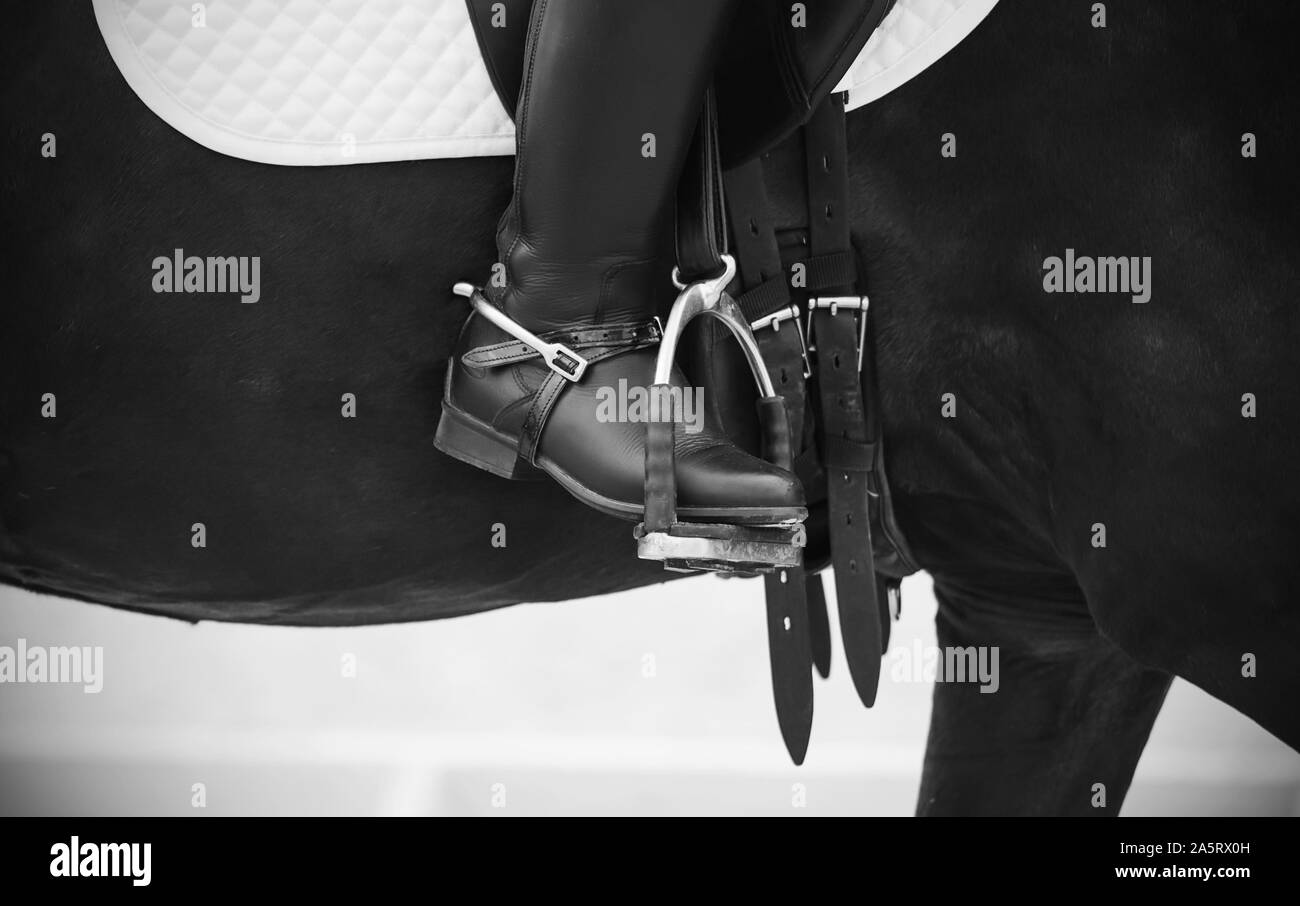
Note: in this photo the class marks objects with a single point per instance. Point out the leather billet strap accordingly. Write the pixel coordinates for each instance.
(848, 459)
(789, 640)
(847, 450)
(753, 242)
(701, 240)
(826, 156)
(766, 300)
(819, 624)
(833, 269)
(767, 303)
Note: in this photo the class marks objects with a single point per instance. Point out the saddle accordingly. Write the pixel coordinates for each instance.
(791, 301)
(329, 82)
(247, 84)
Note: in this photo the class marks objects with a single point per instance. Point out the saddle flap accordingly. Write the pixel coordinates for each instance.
(329, 82)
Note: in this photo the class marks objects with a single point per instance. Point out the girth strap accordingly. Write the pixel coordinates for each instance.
(819, 624)
(766, 300)
(770, 308)
(837, 325)
(701, 234)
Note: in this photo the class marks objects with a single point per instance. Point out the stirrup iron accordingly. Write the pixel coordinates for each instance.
(689, 546)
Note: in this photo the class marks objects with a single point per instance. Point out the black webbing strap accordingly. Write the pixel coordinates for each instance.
(831, 270)
(846, 448)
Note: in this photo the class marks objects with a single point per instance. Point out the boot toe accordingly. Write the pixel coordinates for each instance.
(722, 476)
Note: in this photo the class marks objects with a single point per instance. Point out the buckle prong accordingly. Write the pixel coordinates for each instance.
(833, 304)
(776, 319)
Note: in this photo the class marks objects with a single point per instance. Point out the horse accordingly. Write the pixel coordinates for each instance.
(1101, 485)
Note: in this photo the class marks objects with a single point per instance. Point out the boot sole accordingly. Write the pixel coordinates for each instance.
(476, 443)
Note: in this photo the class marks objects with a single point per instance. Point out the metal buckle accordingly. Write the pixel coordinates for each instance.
(776, 319)
(558, 357)
(564, 361)
(857, 304)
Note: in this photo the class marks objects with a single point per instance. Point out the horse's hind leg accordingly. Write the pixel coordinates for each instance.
(1064, 729)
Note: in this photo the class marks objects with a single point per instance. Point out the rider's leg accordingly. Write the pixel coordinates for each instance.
(610, 98)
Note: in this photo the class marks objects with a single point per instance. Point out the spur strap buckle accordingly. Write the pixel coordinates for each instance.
(558, 357)
(779, 317)
(564, 361)
(834, 304)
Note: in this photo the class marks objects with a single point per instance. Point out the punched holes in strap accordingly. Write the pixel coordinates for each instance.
(836, 330)
(766, 301)
(774, 319)
(767, 305)
(588, 338)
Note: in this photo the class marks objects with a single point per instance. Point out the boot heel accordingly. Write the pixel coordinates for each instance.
(464, 437)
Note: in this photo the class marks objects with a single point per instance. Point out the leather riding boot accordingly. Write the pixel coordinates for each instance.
(611, 95)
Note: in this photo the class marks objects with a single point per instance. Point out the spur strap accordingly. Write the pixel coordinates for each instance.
(634, 336)
(558, 349)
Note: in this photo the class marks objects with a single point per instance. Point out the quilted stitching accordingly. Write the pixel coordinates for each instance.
(319, 71)
(291, 81)
(908, 31)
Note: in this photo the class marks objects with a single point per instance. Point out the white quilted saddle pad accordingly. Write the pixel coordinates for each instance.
(321, 82)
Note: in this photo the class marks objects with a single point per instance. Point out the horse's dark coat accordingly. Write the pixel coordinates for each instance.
(1072, 410)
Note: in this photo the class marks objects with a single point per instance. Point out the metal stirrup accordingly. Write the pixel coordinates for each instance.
(721, 547)
(709, 297)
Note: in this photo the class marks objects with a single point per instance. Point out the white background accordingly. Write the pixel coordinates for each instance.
(548, 701)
